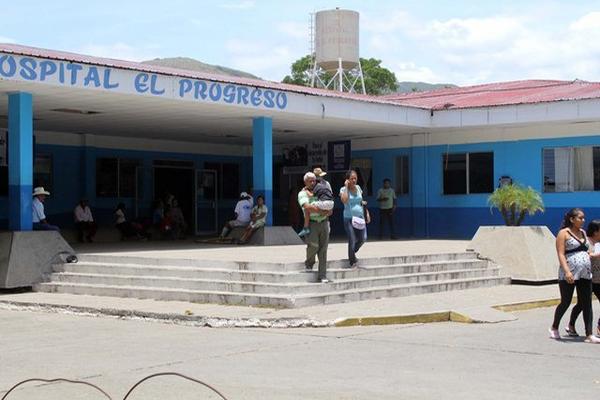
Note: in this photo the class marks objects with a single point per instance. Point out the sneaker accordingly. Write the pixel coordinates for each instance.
(592, 339)
(304, 232)
(571, 332)
(554, 334)
(325, 280)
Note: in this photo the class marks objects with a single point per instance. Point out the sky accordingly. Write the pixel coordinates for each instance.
(460, 42)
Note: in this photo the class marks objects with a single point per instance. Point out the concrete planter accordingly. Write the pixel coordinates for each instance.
(526, 253)
(25, 257)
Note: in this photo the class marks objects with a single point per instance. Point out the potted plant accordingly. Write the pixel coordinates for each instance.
(515, 201)
(526, 253)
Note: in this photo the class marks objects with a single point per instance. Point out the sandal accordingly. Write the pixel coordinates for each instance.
(592, 339)
(571, 332)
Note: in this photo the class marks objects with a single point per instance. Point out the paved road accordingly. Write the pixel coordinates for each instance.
(511, 360)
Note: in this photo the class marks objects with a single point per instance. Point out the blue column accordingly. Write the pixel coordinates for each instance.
(20, 161)
(262, 161)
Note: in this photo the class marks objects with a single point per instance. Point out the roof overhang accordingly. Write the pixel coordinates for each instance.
(96, 98)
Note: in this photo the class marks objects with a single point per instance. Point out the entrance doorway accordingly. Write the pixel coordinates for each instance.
(179, 182)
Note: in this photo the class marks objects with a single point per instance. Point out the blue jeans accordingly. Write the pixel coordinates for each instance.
(356, 238)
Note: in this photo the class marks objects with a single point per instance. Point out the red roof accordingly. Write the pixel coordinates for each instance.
(153, 69)
(500, 94)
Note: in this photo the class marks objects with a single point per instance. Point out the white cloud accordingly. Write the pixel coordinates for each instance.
(589, 21)
(397, 21)
(267, 60)
(239, 5)
(5, 39)
(121, 51)
(409, 71)
(296, 30)
(473, 32)
(493, 48)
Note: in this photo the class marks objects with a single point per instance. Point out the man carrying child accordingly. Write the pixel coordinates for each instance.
(322, 191)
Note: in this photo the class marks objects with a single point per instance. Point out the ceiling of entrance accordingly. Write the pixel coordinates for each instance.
(94, 112)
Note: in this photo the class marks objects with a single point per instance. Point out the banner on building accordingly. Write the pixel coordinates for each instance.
(298, 159)
(3, 148)
(338, 154)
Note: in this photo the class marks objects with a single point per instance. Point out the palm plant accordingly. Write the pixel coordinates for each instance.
(515, 201)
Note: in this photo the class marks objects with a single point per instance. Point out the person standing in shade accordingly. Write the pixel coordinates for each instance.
(574, 273)
(84, 221)
(386, 197)
(355, 217)
(317, 240)
(39, 217)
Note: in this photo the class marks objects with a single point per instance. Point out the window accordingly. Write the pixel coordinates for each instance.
(364, 170)
(402, 175)
(228, 176)
(42, 171)
(468, 173)
(571, 169)
(115, 177)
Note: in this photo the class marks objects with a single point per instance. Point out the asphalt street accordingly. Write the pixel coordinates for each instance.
(509, 360)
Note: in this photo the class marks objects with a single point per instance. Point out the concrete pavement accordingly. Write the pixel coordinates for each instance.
(476, 305)
(512, 360)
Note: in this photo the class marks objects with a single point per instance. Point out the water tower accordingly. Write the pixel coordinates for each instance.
(336, 63)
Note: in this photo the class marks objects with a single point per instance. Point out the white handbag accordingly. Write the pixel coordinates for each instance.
(358, 223)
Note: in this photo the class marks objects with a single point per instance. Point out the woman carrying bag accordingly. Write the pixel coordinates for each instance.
(356, 216)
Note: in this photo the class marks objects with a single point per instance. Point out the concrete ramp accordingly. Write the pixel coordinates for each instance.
(25, 257)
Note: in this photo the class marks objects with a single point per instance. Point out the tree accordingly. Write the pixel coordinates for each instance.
(515, 201)
(378, 80)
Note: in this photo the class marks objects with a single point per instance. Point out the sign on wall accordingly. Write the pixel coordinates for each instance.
(298, 159)
(338, 155)
(84, 76)
(3, 148)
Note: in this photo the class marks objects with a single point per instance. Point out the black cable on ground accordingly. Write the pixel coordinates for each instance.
(53, 381)
(173, 374)
(138, 383)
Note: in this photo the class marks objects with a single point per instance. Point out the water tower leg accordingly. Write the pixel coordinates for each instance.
(362, 78)
(314, 73)
(341, 75)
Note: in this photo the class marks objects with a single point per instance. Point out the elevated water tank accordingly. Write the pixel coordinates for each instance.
(336, 36)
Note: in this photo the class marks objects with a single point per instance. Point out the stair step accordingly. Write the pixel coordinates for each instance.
(264, 266)
(265, 276)
(273, 300)
(266, 287)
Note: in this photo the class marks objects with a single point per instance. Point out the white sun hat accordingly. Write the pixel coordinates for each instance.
(40, 190)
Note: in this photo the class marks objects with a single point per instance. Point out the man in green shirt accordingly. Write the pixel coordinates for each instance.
(386, 196)
(317, 240)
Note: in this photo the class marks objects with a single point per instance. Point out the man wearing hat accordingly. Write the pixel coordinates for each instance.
(39, 218)
(242, 211)
(322, 191)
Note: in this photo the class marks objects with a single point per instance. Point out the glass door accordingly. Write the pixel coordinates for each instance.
(206, 202)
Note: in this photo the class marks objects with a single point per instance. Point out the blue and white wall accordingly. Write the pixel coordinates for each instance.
(427, 212)
(74, 170)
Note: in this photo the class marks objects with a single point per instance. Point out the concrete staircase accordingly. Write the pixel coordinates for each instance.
(284, 285)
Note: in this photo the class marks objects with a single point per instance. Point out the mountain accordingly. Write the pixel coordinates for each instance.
(408, 87)
(194, 65)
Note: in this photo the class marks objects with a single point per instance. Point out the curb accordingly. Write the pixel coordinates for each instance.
(220, 322)
(224, 322)
(530, 305)
(425, 318)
